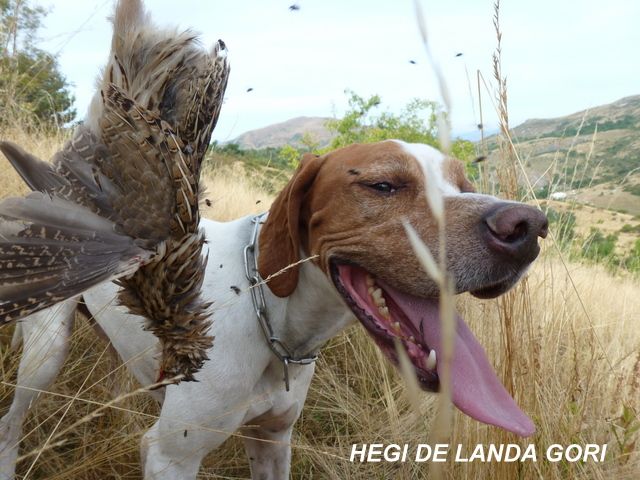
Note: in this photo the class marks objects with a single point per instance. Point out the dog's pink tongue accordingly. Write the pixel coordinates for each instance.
(476, 390)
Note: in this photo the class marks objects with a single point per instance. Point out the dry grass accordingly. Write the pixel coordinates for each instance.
(572, 361)
(230, 194)
(607, 221)
(611, 196)
(40, 142)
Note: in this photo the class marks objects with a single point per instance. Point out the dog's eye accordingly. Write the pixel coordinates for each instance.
(384, 187)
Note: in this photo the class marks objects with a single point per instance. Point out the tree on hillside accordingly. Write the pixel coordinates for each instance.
(362, 124)
(289, 156)
(31, 85)
(416, 123)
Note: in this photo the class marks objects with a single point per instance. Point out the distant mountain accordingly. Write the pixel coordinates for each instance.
(595, 154)
(621, 114)
(290, 132)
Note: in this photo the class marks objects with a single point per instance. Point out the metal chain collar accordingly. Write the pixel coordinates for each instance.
(277, 346)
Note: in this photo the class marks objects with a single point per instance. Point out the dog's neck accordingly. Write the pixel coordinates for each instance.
(312, 315)
(315, 312)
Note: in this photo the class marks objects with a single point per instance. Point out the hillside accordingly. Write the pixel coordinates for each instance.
(290, 132)
(593, 155)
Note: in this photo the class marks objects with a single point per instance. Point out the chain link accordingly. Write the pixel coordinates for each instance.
(277, 346)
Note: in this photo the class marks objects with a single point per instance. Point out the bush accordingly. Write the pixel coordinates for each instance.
(33, 88)
(633, 189)
(416, 123)
(563, 225)
(597, 247)
(626, 228)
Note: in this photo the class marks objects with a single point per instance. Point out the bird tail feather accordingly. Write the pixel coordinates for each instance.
(52, 249)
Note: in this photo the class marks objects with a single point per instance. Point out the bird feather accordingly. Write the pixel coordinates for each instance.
(120, 200)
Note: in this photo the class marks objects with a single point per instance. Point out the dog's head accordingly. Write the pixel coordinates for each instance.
(348, 206)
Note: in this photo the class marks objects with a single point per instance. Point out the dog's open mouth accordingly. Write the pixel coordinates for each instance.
(388, 314)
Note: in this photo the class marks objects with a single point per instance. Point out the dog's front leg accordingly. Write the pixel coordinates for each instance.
(269, 453)
(196, 418)
(267, 441)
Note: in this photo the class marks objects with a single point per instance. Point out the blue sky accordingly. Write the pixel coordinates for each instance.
(559, 56)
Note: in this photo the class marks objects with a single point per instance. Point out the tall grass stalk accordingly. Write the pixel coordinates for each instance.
(441, 427)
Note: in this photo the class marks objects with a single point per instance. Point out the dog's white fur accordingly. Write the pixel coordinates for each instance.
(241, 384)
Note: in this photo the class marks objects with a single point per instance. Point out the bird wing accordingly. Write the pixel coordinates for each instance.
(120, 200)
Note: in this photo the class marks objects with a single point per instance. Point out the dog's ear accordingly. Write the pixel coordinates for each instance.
(280, 235)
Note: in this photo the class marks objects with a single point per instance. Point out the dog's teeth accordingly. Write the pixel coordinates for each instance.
(412, 339)
(396, 326)
(370, 281)
(384, 311)
(378, 299)
(430, 363)
(370, 290)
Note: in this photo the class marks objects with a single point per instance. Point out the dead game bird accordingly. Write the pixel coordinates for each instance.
(119, 202)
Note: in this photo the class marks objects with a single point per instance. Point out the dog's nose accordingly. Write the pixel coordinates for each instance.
(512, 230)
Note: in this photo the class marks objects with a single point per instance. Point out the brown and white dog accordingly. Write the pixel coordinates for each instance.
(347, 208)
